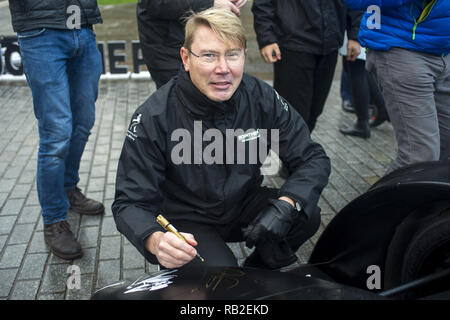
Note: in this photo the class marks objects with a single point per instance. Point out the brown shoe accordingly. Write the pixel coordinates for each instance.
(61, 240)
(82, 205)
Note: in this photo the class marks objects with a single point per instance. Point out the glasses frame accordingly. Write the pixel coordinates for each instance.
(212, 63)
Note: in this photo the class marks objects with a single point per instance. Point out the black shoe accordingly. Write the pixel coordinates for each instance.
(380, 117)
(82, 205)
(61, 240)
(347, 106)
(361, 130)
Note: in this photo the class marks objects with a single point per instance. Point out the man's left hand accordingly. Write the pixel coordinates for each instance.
(277, 219)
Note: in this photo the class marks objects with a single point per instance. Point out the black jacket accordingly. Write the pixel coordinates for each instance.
(311, 26)
(33, 14)
(149, 182)
(161, 29)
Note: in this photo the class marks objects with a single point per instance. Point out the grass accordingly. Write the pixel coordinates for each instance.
(105, 2)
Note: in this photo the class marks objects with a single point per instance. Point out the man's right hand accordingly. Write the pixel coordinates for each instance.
(233, 5)
(171, 251)
(271, 53)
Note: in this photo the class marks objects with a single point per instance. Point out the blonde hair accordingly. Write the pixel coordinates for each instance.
(224, 23)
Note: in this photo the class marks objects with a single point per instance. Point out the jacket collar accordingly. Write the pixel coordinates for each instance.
(197, 104)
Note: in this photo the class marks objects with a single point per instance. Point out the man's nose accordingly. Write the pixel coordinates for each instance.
(222, 65)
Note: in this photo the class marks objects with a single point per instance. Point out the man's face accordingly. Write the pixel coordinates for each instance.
(219, 77)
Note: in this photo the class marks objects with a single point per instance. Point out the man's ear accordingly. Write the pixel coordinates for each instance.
(184, 53)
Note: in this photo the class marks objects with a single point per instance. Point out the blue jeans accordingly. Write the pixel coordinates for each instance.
(62, 68)
(346, 89)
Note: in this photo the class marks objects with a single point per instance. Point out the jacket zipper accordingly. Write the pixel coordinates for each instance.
(425, 13)
(225, 166)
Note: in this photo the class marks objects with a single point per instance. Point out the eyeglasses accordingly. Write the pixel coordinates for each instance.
(232, 58)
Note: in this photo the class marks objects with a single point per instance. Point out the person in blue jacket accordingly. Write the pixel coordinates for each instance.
(408, 45)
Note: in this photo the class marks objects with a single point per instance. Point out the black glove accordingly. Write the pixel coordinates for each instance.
(274, 222)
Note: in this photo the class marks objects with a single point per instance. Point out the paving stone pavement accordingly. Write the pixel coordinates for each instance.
(28, 271)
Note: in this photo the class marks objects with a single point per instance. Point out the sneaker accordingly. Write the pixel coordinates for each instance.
(61, 240)
(82, 205)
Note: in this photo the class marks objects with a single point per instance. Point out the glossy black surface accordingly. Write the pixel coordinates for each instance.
(231, 284)
(360, 234)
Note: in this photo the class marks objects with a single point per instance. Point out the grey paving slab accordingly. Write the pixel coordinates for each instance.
(22, 233)
(88, 237)
(25, 290)
(88, 261)
(12, 256)
(132, 259)
(55, 278)
(108, 272)
(7, 277)
(110, 248)
(33, 266)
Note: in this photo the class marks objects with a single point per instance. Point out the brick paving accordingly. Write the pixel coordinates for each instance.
(28, 271)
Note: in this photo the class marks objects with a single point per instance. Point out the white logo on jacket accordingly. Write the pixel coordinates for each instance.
(131, 133)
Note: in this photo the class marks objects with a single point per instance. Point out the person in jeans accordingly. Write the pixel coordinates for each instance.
(409, 56)
(62, 65)
(301, 39)
(345, 91)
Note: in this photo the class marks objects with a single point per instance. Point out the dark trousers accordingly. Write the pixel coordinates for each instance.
(364, 88)
(212, 239)
(360, 87)
(304, 80)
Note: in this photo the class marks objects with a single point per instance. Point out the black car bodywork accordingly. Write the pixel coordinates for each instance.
(398, 231)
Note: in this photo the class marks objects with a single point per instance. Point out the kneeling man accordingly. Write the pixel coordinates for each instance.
(193, 153)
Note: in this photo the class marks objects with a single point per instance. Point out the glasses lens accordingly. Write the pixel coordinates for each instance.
(232, 58)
